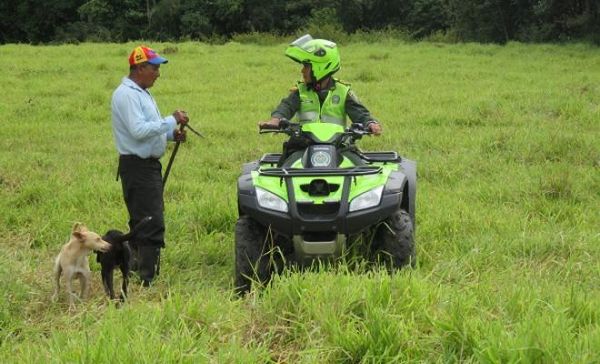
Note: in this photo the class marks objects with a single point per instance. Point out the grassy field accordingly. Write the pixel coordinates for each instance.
(507, 140)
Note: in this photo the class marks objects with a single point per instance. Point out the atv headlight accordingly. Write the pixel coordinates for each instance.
(368, 199)
(270, 200)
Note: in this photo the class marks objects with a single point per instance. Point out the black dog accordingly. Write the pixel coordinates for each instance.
(119, 255)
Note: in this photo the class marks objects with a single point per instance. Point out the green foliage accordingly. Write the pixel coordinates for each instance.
(426, 17)
(498, 21)
(504, 20)
(324, 24)
(482, 20)
(506, 142)
(258, 38)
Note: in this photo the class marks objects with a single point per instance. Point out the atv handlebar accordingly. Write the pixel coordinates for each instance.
(285, 126)
(355, 131)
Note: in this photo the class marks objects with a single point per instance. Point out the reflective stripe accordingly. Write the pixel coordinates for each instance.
(308, 115)
(333, 109)
(333, 120)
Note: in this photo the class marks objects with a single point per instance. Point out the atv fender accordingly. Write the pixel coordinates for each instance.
(409, 195)
(244, 185)
(249, 167)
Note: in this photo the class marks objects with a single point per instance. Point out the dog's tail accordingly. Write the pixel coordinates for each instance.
(136, 229)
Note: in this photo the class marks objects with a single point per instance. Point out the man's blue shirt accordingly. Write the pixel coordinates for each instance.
(138, 127)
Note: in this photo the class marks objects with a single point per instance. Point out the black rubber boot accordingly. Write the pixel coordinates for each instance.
(149, 256)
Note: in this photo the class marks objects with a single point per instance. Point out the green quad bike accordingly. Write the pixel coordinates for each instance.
(313, 203)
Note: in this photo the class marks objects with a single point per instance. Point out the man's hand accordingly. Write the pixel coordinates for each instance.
(179, 135)
(375, 128)
(181, 117)
(273, 123)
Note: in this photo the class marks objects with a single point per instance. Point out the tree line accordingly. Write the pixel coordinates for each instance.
(499, 21)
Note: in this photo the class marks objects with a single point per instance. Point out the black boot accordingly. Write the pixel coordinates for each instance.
(149, 257)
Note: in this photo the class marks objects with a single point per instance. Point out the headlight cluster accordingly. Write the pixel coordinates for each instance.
(367, 199)
(270, 200)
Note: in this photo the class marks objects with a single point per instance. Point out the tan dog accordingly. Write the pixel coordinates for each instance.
(73, 260)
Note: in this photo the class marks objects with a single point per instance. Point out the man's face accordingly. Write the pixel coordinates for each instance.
(306, 73)
(148, 73)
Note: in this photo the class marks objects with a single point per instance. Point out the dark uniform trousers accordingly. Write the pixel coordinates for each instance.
(141, 180)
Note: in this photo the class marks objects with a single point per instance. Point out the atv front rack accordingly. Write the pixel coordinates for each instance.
(369, 157)
(379, 156)
(317, 172)
(270, 158)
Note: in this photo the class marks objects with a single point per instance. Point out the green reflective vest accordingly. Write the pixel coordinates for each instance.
(333, 109)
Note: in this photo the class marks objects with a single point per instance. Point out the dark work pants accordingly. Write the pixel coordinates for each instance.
(143, 193)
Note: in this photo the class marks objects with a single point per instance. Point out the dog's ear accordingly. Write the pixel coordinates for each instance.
(76, 227)
(79, 227)
(79, 235)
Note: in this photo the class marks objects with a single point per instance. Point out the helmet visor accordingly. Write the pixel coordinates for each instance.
(300, 42)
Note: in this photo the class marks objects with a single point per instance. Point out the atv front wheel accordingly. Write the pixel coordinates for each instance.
(394, 241)
(251, 254)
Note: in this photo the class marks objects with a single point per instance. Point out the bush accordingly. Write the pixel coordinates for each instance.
(387, 34)
(325, 24)
(258, 38)
(442, 36)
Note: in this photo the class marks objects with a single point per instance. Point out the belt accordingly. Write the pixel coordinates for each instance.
(133, 157)
(136, 158)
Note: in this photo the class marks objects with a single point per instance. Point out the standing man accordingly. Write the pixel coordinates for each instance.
(141, 135)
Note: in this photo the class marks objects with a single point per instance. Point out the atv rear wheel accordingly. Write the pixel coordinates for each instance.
(394, 241)
(251, 254)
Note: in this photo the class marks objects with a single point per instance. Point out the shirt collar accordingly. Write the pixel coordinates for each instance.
(129, 83)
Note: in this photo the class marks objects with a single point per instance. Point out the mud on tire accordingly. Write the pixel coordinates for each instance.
(394, 241)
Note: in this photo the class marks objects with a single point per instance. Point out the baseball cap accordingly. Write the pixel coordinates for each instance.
(144, 54)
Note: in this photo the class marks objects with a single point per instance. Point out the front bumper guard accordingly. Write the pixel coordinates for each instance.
(306, 251)
(343, 222)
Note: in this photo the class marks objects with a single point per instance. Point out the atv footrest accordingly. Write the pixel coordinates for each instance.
(270, 158)
(380, 156)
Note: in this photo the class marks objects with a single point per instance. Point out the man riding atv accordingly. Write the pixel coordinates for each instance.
(319, 97)
(322, 194)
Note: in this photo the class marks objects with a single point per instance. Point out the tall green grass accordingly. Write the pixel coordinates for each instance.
(508, 208)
